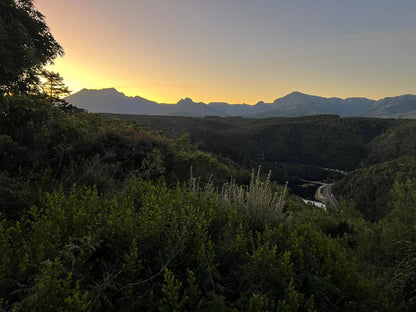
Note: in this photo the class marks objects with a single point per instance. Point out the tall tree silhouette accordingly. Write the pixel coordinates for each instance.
(54, 85)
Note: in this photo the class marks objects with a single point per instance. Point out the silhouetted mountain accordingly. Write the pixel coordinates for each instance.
(187, 107)
(231, 109)
(291, 105)
(399, 106)
(300, 104)
(112, 101)
(356, 106)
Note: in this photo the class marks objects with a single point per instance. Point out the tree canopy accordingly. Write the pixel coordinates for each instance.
(26, 45)
(54, 85)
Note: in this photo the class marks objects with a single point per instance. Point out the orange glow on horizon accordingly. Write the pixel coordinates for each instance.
(77, 77)
(161, 52)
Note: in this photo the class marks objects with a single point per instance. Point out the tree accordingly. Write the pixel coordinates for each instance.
(54, 85)
(26, 45)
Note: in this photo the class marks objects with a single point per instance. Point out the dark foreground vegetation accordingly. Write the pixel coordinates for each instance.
(108, 216)
(104, 216)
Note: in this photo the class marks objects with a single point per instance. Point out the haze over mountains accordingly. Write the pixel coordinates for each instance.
(294, 104)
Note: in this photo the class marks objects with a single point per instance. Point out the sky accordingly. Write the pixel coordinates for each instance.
(236, 51)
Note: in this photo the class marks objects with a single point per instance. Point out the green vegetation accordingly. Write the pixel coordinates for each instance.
(391, 159)
(397, 141)
(302, 147)
(99, 215)
(288, 146)
(370, 187)
(158, 248)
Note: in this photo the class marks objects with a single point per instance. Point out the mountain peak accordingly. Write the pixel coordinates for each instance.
(105, 92)
(112, 91)
(296, 93)
(186, 100)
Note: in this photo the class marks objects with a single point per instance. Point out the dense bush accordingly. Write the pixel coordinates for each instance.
(370, 186)
(99, 215)
(156, 248)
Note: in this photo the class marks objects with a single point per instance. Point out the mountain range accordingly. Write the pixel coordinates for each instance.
(294, 104)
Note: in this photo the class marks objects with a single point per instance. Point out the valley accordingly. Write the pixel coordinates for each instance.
(302, 148)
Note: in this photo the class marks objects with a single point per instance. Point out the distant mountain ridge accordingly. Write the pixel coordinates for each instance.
(294, 104)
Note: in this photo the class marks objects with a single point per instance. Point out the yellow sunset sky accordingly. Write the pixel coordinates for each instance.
(236, 51)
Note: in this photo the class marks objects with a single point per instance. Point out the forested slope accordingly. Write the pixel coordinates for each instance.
(369, 187)
(391, 159)
(398, 141)
(292, 147)
(300, 148)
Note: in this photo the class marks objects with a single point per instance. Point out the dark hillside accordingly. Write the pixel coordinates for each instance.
(391, 159)
(369, 187)
(324, 141)
(397, 141)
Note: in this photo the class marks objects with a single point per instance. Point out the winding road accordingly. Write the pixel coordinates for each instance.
(325, 195)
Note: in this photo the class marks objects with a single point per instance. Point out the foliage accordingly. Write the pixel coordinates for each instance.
(26, 44)
(167, 249)
(398, 241)
(370, 186)
(323, 141)
(260, 201)
(388, 247)
(54, 86)
(395, 142)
